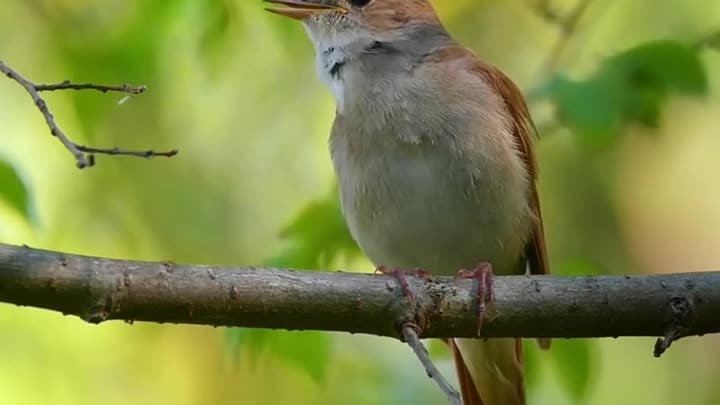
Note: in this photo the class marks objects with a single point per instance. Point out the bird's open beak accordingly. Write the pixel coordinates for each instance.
(301, 9)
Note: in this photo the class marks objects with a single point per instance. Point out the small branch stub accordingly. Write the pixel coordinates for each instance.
(681, 310)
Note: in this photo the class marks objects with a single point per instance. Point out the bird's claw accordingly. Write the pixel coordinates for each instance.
(485, 294)
(400, 277)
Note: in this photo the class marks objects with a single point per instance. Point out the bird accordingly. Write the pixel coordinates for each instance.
(433, 151)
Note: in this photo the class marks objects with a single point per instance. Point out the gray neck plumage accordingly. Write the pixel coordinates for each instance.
(351, 68)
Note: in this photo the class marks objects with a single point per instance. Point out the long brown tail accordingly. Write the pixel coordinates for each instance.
(490, 372)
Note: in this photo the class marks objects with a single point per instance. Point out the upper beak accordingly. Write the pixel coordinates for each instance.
(301, 9)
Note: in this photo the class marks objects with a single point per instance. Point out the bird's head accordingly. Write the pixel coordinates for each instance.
(348, 21)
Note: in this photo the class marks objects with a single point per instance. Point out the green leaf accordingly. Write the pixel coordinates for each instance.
(669, 64)
(713, 41)
(628, 88)
(591, 109)
(438, 349)
(316, 237)
(294, 255)
(13, 190)
(215, 18)
(532, 356)
(238, 338)
(308, 351)
(577, 268)
(573, 361)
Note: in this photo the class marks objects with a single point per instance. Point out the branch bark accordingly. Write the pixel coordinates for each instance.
(99, 289)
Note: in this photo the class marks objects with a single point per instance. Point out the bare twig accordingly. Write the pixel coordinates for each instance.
(42, 106)
(67, 85)
(137, 153)
(410, 336)
(568, 25)
(78, 151)
(545, 10)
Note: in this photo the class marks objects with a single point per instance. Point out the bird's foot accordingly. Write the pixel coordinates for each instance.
(400, 277)
(485, 295)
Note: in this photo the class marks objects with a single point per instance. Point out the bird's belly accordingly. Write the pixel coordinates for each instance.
(426, 211)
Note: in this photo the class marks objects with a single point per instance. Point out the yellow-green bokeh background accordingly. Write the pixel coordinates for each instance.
(234, 89)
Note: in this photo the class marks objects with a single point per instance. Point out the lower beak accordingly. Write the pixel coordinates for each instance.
(301, 9)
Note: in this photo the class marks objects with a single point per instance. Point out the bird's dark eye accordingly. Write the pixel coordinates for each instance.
(359, 3)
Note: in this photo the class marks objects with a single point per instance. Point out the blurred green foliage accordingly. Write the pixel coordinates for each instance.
(309, 351)
(13, 191)
(316, 238)
(232, 88)
(574, 362)
(631, 87)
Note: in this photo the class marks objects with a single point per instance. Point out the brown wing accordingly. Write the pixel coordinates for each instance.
(535, 251)
(523, 129)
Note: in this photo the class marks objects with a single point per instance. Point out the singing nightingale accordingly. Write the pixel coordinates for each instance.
(432, 148)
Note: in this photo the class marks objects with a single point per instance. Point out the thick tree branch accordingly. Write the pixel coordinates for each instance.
(78, 151)
(98, 289)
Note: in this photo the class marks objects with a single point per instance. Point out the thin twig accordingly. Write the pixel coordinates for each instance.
(148, 154)
(42, 106)
(78, 151)
(567, 24)
(67, 85)
(411, 338)
(545, 10)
